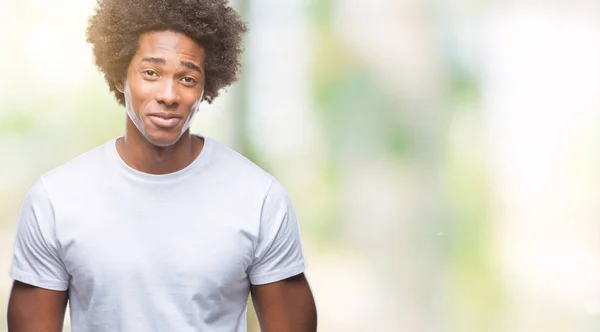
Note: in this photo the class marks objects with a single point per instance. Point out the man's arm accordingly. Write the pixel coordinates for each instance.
(39, 295)
(285, 306)
(34, 309)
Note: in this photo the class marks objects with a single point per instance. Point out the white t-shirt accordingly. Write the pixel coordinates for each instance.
(144, 252)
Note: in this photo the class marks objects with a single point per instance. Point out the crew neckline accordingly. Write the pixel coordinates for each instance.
(160, 178)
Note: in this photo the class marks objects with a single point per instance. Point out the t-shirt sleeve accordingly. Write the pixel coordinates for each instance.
(278, 253)
(36, 260)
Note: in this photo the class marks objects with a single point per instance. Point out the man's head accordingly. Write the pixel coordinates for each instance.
(161, 58)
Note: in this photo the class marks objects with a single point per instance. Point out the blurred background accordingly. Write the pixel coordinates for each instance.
(443, 155)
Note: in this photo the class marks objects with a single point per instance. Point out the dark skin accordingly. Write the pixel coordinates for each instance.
(285, 306)
(166, 79)
(34, 309)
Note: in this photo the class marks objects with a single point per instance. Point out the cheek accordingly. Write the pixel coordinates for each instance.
(193, 102)
(141, 94)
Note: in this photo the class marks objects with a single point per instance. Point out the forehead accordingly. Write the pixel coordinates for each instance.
(169, 44)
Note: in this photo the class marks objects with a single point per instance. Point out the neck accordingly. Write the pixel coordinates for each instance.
(141, 155)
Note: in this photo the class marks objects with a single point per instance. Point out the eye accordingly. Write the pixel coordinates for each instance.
(150, 73)
(188, 80)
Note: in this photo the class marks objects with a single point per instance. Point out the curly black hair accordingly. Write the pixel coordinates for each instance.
(116, 26)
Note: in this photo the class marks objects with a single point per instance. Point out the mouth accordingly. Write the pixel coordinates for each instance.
(164, 120)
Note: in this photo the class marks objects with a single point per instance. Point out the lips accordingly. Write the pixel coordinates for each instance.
(164, 120)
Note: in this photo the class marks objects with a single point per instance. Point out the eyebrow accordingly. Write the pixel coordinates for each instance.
(162, 61)
(192, 66)
(154, 60)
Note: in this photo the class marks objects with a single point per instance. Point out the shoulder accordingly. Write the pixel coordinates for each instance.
(77, 171)
(238, 168)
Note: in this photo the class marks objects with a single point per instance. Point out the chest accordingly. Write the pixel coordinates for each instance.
(189, 246)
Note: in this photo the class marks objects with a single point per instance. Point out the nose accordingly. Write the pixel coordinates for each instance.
(167, 93)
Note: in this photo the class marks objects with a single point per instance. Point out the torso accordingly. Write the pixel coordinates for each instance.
(159, 253)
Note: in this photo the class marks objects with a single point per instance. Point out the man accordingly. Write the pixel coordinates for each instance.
(160, 230)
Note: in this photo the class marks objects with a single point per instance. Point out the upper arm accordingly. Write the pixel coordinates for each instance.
(278, 253)
(39, 295)
(285, 306)
(281, 295)
(34, 309)
(36, 258)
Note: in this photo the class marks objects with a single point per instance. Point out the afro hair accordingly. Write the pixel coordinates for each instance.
(116, 26)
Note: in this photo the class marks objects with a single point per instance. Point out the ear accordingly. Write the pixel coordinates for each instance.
(120, 86)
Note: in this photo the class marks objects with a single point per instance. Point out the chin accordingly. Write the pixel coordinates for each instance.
(162, 140)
